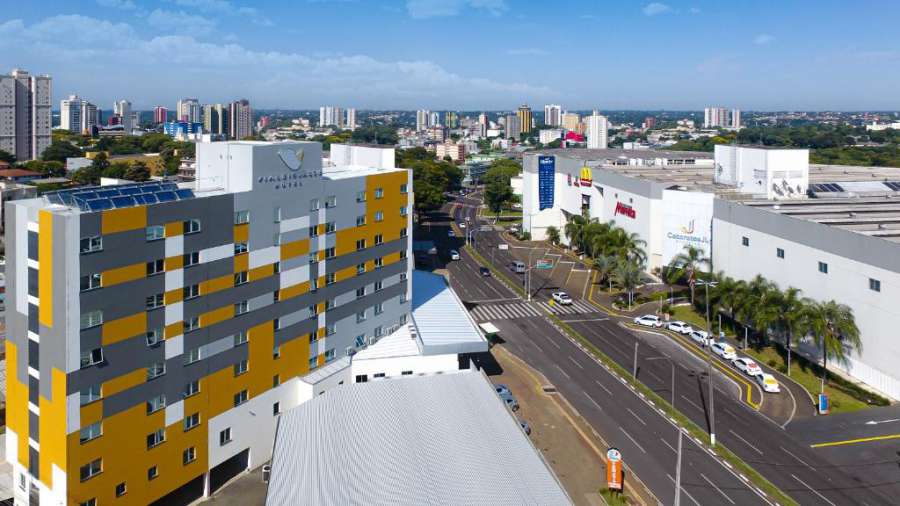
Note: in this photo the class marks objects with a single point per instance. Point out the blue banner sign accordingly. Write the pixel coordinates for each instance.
(546, 173)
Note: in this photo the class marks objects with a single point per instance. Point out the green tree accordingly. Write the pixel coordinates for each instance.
(687, 264)
(605, 265)
(7, 157)
(628, 276)
(52, 168)
(496, 195)
(430, 182)
(574, 231)
(792, 312)
(138, 171)
(153, 143)
(834, 329)
(553, 235)
(115, 170)
(60, 150)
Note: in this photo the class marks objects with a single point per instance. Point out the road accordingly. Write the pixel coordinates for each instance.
(759, 440)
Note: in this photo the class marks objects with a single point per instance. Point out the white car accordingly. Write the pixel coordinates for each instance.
(724, 350)
(648, 320)
(561, 298)
(768, 383)
(462, 224)
(454, 255)
(680, 327)
(747, 366)
(700, 337)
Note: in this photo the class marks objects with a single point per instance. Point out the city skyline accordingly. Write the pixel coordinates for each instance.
(112, 49)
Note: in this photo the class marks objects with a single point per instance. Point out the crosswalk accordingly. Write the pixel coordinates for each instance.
(528, 310)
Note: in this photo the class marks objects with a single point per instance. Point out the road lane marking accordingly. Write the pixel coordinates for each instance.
(855, 441)
(670, 446)
(813, 490)
(635, 415)
(641, 448)
(608, 391)
(562, 371)
(576, 363)
(735, 434)
(716, 487)
(683, 490)
(785, 450)
(692, 403)
(592, 400)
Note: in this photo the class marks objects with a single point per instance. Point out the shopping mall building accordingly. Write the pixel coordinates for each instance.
(831, 231)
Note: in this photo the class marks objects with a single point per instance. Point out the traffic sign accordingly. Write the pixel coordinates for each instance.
(614, 469)
(503, 246)
(544, 264)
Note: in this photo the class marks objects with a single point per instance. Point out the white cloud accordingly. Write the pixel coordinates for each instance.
(180, 22)
(527, 51)
(225, 7)
(125, 5)
(763, 39)
(422, 9)
(654, 8)
(694, 10)
(74, 48)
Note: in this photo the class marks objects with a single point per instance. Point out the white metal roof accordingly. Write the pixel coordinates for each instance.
(326, 371)
(442, 322)
(400, 343)
(419, 440)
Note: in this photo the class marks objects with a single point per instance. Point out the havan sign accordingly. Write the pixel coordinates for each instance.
(625, 210)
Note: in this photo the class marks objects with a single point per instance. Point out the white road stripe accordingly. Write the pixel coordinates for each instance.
(592, 400)
(576, 363)
(603, 387)
(670, 446)
(735, 434)
(635, 415)
(717, 488)
(564, 372)
(641, 448)
(813, 490)
(796, 457)
(683, 490)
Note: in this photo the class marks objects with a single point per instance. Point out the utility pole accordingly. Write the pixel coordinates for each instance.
(634, 368)
(712, 413)
(678, 473)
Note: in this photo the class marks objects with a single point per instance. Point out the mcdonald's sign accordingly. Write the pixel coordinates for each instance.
(586, 179)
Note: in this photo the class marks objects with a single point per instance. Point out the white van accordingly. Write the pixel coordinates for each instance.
(519, 267)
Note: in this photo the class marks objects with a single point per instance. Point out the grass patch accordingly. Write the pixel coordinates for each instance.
(613, 498)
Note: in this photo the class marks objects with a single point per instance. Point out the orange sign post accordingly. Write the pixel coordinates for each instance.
(614, 469)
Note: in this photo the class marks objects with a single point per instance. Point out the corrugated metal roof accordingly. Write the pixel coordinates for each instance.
(326, 371)
(422, 440)
(398, 344)
(442, 322)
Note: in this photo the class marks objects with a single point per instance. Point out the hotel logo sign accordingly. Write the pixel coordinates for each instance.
(625, 210)
(293, 160)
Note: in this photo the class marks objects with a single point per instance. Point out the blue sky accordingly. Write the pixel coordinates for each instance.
(464, 54)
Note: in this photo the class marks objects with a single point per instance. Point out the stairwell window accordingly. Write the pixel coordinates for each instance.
(361, 220)
(241, 367)
(379, 216)
(823, 267)
(403, 232)
(92, 431)
(379, 193)
(225, 436)
(403, 211)
(241, 247)
(91, 244)
(404, 188)
(874, 285)
(191, 324)
(330, 227)
(240, 338)
(90, 394)
(745, 241)
(241, 217)
(91, 357)
(191, 292)
(91, 282)
(360, 244)
(379, 239)
(241, 307)
(240, 398)
(191, 421)
(155, 301)
(331, 201)
(91, 469)
(189, 455)
(329, 278)
(240, 278)
(779, 253)
(155, 267)
(329, 253)
(361, 196)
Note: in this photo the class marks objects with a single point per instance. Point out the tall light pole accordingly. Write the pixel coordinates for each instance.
(712, 413)
(672, 362)
(678, 473)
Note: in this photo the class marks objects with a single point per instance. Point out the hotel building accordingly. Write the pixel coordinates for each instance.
(155, 332)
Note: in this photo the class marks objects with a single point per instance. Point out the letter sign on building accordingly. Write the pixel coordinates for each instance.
(546, 175)
(625, 210)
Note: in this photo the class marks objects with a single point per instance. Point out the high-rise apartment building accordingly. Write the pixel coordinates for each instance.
(188, 109)
(216, 119)
(451, 119)
(122, 108)
(434, 119)
(570, 121)
(160, 114)
(155, 336)
(70, 114)
(90, 117)
(422, 120)
(552, 115)
(351, 119)
(736, 119)
(330, 115)
(240, 119)
(597, 131)
(525, 119)
(649, 122)
(714, 117)
(513, 126)
(25, 116)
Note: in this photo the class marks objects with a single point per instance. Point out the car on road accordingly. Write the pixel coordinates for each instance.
(450, 233)
(511, 403)
(561, 298)
(502, 390)
(768, 383)
(680, 327)
(525, 427)
(454, 255)
(462, 224)
(724, 350)
(648, 320)
(518, 267)
(747, 366)
(484, 271)
(700, 337)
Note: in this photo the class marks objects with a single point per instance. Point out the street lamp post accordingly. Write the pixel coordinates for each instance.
(712, 414)
(672, 362)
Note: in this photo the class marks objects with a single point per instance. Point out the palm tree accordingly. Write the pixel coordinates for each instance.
(767, 309)
(553, 235)
(687, 263)
(605, 265)
(628, 246)
(835, 331)
(791, 316)
(627, 275)
(574, 231)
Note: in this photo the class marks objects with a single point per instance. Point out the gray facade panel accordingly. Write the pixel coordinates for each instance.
(124, 299)
(356, 257)
(122, 249)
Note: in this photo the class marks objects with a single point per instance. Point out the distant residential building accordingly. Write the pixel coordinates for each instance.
(878, 127)
(422, 120)
(549, 135)
(90, 118)
(264, 122)
(25, 116)
(188, 109)
(525, 119)
(122, 108)
(715, 117)
(570, 121)
(736, 119)
(330, 115)
(70, 114)
(597, 131)
(215, 119)
(451, 119)
(437, 133)
(513, 126)
(240, 119)
(160, 114)
(187, 169)
(649, 122)
(351, 119)
(434, 119)
(183, 130)
(456, 151)
(552, 115)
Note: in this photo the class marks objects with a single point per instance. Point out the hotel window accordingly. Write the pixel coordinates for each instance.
(314, 205)
(360, 340)
(277, 215)
(91, 357)
(779, 253)
(313, 363)
(379, 216)
(156, 370)
(360, 244)
(403, 211)
(92, 431)
(360, 292)
(225, 437)
(378, 331)
(241, 248)
(191, 292)
(240, 278)
(403, 232)
(152, 473)
(276, 324)
(276, 380)
(189, 456)
(379, 285)
(91, 469)
(276, 295)
(360, 317)
(276, 352)
(191, 421)
(240, 338)
(313, 257)
(155, 404)
(312, 337)
(276, 267)
(360, 220)
(191, 226)
(192, 355)
(156, 438)
(313, 311)
(329, 304)
(330, 329)
(155, 267)
(190, 259)
(276, 409)
(379, 239)
(379, 308)
(313, 285)
(192, 388)
(156, 232)
(379, 262)
(331, 201)
(823, 267)
(240, 367)
(874, 285)
(91, 244)
(241, 307)
(745, 241)
(154, 337)
(379, 193)
(402, 254)
(240, 398)
(191, 324)
(404, 188)
(241, 217)
(330, 227)
(361, 196)
(154, 301)
(329, 355)
(329, 278)
(314, 231)
(360, 268)
(121, 489)
(90, 394)
(329, 253)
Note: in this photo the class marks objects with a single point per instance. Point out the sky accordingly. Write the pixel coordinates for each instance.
(463, 54)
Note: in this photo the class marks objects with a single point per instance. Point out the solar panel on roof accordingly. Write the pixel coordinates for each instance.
(184, 193)
(54, 198)
(96, 198)
(893, 185)
(133, 190)
(99, 204)
(166, 196)
(123, 201)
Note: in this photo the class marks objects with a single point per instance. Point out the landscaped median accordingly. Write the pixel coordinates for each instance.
(497, 273)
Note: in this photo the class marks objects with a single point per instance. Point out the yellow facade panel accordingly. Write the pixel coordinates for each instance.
(242, 233)
(124, 274)
(118, 330)
(261, 272)
(241, 262)
(294, 249)
(174, 228)
(294, 290)
(216, 315)
(174, 263)
(45, 273)
(124, 382)
(173, 296)
(16, 403)
(123, 220)
(52, 430)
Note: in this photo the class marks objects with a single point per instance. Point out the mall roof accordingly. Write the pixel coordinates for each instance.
(440, 439)
(638, 154)
(441, 321)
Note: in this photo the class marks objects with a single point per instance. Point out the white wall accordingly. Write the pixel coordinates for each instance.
(687, 220)
(346, 154)
(394, 366)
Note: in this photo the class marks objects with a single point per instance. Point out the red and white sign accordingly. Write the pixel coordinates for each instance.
(625, 210)
(614, 469)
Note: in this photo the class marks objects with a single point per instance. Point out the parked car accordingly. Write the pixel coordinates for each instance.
(484, 271)
(511, 403)
(724, 350)
(768, 383)
(562, 298)
(518, 267)
(747, 366)
(700, 337)
(525, 427)
(648, 320)
(462, 224)
(502, 389)
(454, 255)
(680, 327)
(450, 233)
